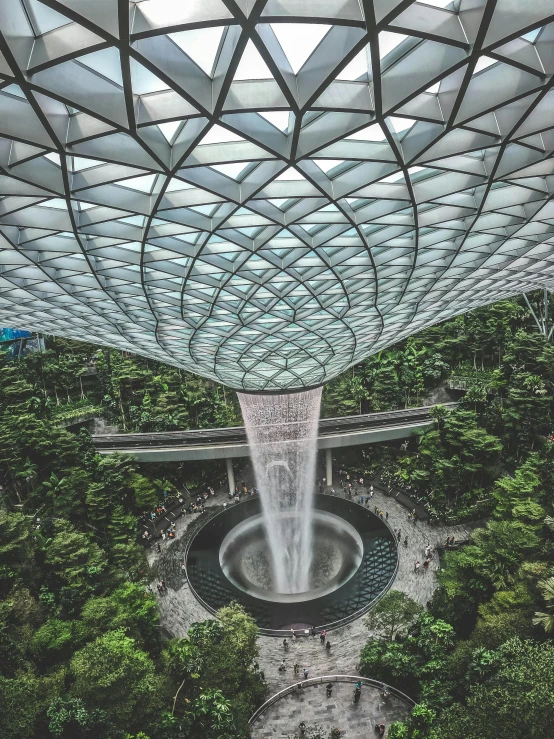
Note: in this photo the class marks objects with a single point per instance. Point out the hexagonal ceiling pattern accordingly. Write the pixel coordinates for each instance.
(267, 191)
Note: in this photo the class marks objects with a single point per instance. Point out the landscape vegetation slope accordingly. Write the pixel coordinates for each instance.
(81, 651)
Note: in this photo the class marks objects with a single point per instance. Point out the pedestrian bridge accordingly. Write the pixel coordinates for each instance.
(228, 443)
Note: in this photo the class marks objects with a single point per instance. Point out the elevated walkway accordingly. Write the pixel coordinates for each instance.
(230, 443)
(201, 444)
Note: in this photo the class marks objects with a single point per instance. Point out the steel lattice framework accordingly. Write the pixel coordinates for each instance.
(267, 191)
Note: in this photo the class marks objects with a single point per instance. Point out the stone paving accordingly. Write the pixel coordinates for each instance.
(355, 720)
(179, 608)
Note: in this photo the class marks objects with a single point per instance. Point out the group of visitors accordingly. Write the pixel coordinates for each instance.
(426, 562)
(244, 490)
(379, 728)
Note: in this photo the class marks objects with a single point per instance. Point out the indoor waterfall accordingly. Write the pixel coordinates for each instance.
(282, 435)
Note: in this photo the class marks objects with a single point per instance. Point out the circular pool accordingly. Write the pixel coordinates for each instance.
(353, 560)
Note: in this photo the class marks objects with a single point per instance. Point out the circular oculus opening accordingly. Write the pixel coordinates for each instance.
(337, 552)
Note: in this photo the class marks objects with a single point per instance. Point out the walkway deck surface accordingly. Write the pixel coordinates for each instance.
(355, 720)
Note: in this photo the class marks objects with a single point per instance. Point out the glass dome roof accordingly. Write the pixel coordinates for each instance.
(267, 191)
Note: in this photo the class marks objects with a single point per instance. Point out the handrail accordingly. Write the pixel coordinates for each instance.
(327, 679)
(348, 424)
(286, 632)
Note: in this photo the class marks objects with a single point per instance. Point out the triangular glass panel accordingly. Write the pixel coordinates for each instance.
(45, 19)
(144, 81)
(299, 40)
(251, 65)
(532, 35)
(53, 157)
(219, 135)
(176, 184)
(80, 163)
(230, 170)
(393, 177)
(143, 183)
(290, 174)
(401, 124)
(327, 164)
(201, 45)
(106, 62)
(168, 129)
(278, 118)
(358, 67)
(57, 203)
(483, 62)
(389, 41)
(369, 133)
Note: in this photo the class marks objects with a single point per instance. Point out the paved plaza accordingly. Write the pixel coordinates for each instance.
(179, 608)
(355, 720)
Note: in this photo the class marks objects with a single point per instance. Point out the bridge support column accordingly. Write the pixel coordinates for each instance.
(329, 466)
(230, 475)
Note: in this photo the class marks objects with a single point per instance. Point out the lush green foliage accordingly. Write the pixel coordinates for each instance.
(80, 647)
(487, 670)
(394, 614)
(81, 655)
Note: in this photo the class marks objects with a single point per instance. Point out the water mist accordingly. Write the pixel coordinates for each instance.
(282, 435)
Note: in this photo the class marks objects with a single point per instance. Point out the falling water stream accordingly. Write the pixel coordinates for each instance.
(282, 435)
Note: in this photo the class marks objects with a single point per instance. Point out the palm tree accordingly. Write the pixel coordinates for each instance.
(546, 620)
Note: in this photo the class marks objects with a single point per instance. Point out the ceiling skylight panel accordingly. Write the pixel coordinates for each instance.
(201, 45)
(251, 65)
(299, 40)
(389, 41)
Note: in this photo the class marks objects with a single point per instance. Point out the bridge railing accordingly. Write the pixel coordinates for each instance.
(328, 679)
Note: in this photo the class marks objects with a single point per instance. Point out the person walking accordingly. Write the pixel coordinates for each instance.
(416, 567)
(313, 631)
(371, 491)
(426, 565)
(296, 668)
(306, 672)
(399, 535)
(406, 542)
(158, 548)
(293, 638)
(283, 666)
(328, 646)
(322, 636)
(285, 645)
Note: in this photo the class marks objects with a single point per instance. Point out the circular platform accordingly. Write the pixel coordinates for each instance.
(354, 560)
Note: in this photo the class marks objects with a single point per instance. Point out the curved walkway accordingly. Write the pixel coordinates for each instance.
(311, 705)
(179, 608)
